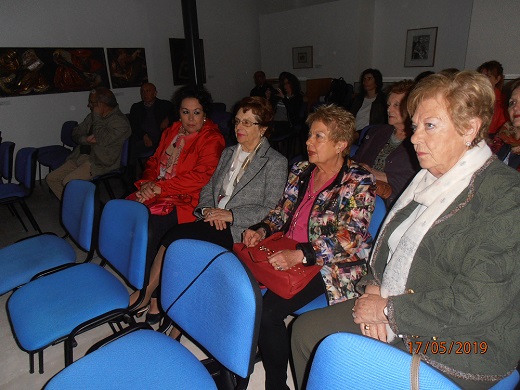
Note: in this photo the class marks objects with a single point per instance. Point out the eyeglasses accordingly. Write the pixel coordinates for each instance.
(245, 122)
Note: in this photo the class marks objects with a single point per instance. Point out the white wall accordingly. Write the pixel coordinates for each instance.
(494, 35)
(335, 30)
(230, 62)
(394, 17)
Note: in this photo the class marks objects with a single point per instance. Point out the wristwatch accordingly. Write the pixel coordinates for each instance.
(385, 312)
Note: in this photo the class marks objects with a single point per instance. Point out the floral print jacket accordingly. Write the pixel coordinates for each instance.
(339, 240)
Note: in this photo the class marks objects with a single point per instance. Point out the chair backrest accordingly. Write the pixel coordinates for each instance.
(6, 160)
(218, 106)
(509, 382)
(220, 309)
(377, 366)
(66, 133)
(79, 210)
(378, 217)
(123, 238)
(25, 167)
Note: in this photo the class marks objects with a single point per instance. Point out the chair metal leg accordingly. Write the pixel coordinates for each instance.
(31, 362)
(40, 362)
(30, 216)
(15, 212)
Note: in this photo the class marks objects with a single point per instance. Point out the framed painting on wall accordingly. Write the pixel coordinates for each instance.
(302, 57)
(420, 47)
(37, 71)
(127, 67)
(180, 61)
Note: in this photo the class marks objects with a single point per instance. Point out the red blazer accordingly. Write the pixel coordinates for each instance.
(197, 162)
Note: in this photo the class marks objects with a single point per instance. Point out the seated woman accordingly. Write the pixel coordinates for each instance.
(247, 183)
(494, 71)
(327, 207)
(289, 104)
(183, 163)
(506, 144)
(386, 150)
(444, 268)
(369, 105)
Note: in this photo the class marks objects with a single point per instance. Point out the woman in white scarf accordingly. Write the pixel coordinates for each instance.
(444, 266)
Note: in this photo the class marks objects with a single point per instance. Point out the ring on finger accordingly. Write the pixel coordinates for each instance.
(367, 327)
(279, 268)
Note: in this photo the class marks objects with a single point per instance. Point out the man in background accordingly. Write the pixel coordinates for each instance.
(263, 88)
(100, 138)
(148, 119)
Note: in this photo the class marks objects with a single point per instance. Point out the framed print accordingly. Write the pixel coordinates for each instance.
(44, 70)
(180, 62)
(420, 47)
(302, 57)
(127, 67)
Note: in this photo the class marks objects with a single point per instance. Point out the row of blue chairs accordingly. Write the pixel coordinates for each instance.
(51, 306)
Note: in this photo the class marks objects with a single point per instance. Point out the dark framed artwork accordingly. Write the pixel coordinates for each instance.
(302, 57)
(180, 61)
(127, 67)
(420, 47)
(36, 71)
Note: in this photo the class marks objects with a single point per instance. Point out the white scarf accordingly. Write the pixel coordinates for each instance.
(436, 196)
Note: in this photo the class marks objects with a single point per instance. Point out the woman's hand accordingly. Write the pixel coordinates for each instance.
(369, 309)
(515, 150)
(251, 237)
(379, 175)
(218, 217)
(147, 191)
(285, 259)
(376, 331)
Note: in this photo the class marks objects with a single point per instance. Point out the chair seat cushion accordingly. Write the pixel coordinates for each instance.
(127, 363)
(11, 190)
(49, 308)
(21, 261)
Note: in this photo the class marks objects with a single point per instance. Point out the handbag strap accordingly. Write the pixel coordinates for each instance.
(414, 371)
(195, 279)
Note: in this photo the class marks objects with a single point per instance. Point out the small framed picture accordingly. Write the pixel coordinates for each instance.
(420, 47)
(302, 57)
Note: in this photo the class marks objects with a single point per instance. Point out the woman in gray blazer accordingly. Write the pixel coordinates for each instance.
(249, 180)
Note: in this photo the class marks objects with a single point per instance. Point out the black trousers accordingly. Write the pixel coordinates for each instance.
(274, 340)
(198, 230)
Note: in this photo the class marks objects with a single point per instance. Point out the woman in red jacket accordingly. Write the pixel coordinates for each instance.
(183, 163)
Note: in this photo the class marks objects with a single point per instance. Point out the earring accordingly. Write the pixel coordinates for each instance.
(468, 144)
(204, 120)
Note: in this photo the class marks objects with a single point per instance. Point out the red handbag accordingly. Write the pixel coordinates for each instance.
(163, 205)
(284, 283)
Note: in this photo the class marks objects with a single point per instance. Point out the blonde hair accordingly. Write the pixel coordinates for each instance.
(467, 95)
(340, 122)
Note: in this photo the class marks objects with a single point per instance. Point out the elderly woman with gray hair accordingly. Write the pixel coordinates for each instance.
(444, 268)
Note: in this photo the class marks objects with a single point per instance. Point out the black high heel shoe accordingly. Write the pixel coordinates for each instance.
(153, 318)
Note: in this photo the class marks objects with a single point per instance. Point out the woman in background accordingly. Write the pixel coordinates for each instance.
(494, 71)
(369, 105)
(386, 150)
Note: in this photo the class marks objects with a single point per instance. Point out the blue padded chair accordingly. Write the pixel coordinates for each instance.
(53, 156)
(21, 261)
(59, 306)
(375, 223)
(6, 161)
(350, 360)
(208, 293)
(116, 173)
(24, 173)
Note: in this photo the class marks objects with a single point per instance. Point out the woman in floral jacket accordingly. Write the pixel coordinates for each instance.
(327, 206)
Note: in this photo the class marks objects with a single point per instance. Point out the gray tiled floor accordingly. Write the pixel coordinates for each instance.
(14, 369)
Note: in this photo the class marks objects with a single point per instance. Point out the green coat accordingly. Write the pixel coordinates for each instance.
(463, 288)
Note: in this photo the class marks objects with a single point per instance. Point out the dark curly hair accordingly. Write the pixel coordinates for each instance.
(193, 91)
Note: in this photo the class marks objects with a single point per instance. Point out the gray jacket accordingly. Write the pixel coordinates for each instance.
(257, 192)
(110, 132)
